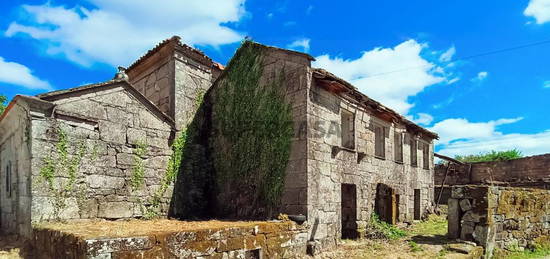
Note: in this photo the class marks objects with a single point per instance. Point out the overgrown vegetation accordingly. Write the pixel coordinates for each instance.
(3, 100)
(252, 127)
(378, 229)
(138, 170)
(541, 249)
(491, 156)
(434, 225)
(60, 164)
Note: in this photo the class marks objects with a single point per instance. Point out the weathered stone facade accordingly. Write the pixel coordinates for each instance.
(84, 161)
(350, 156)
(505, 217)
(233, 240)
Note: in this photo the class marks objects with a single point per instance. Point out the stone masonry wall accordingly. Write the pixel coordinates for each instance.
(327, 171)
(157, 84)
(192, 80)
(124, 150)
(15, 196)
(504, 217)
(297, 78)
(235, 240)
(531, 171)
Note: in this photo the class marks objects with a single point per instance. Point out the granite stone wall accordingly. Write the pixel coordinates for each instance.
(115, 151)
(500, 217)
(531, 171)
(15, 155)
(234, 240)
(330, 166)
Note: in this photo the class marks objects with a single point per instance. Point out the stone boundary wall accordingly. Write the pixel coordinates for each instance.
(261, 240)
(530, 172)
(502, 217)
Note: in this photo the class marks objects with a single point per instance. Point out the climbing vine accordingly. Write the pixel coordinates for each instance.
(252, 126)
(60, 163)
(138, 170)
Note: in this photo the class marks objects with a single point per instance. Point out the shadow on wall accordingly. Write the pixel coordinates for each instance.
(193, 197)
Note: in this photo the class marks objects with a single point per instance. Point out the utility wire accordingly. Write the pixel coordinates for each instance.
(466, 57)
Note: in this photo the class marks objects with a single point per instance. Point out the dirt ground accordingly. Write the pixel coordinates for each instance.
(423, 240)
(12, 247)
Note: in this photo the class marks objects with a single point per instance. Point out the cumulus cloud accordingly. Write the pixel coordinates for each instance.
(17, 74)
(546, 84)
(300, 45)
(369, 73)
(117, 32)
(462, 137)
(538, 9)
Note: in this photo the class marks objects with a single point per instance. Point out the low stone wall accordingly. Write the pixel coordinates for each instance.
(504, 217)
(171, 239)
(531, 172)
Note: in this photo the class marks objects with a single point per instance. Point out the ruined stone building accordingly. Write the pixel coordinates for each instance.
(184, 136)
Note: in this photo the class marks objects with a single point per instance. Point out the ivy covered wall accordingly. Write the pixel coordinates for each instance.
(240, 141)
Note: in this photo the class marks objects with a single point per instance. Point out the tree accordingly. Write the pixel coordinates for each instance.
(3, 100)
(491, 156)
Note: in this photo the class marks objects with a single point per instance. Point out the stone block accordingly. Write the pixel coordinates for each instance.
(112, 132)
(124, 159)
(457, 193)
(136, 136)
(471, 216)
(453, 218)
(104, 182)
(115, 210)
(465, 205)
(467, 230)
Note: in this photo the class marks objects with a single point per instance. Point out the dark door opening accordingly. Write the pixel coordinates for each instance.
(417, 204)
(386, 205)
(349, 211)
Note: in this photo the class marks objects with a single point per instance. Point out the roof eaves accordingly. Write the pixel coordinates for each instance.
(322, 74)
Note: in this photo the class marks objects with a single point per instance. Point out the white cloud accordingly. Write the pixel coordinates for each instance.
(450, 130)
(546, 84)
(117, 32)
(480, 76)
(448, 55)
(538, 9)
(462, 137)
(422, 119)
(301, 45)
(369, 73)
(17, 74)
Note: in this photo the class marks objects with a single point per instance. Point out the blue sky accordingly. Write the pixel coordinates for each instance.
(406, 54)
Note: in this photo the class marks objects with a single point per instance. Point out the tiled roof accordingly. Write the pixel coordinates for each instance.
(363, 99)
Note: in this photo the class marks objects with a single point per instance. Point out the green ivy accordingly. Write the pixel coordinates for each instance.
(138, 170)
(60, 163)
(252, 131)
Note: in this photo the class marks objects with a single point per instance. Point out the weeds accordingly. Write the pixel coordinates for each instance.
(378, 229)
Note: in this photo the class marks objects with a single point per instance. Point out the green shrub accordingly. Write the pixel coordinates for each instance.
(377, 229)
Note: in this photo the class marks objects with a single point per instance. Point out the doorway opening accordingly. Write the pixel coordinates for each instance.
(417, 213)
(386, 204)
(349, 211)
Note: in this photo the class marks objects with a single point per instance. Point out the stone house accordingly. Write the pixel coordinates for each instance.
(349, 156)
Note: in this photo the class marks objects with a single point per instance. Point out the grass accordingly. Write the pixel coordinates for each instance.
(526, 254)
(434, 225)
(415, 247)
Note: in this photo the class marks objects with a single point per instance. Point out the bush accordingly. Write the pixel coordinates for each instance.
(377, 229)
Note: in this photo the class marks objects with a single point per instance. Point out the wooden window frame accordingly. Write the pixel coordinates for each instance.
(350, 132)
(398, 142)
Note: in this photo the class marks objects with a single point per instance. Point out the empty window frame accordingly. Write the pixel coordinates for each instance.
(414, 151)
(379, 141)
(398, 144)
(8, 179)
(426, 156)
(348, 129)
